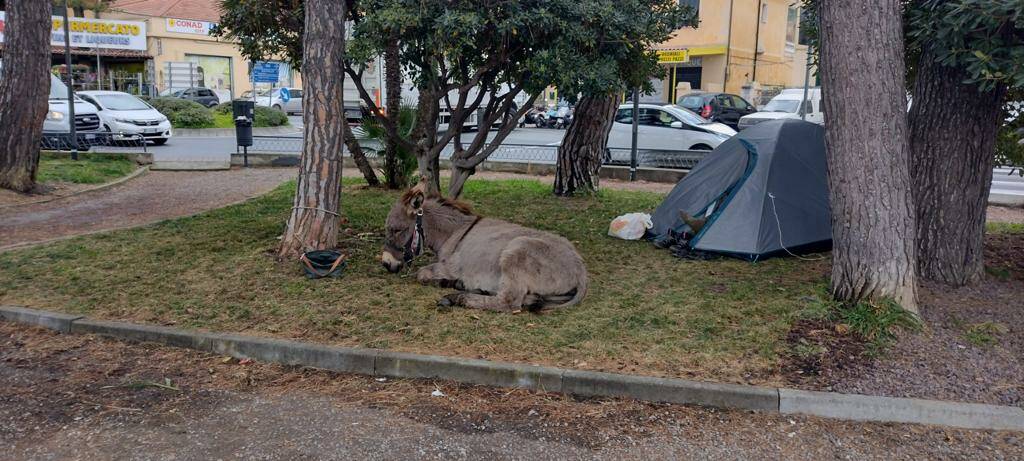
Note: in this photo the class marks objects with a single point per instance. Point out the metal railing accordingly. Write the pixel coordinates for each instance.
(511, 153)
(91, 141)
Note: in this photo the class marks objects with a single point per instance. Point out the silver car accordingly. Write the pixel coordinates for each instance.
(273, 100)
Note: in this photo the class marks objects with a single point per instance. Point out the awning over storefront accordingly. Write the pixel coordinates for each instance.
(103, 52)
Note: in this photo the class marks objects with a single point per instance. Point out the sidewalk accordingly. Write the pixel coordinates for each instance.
(82, 397)
(153, 197)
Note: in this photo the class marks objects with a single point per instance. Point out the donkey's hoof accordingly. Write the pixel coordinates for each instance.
(454, 299)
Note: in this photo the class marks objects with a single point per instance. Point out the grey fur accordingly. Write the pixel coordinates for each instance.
(496, 265)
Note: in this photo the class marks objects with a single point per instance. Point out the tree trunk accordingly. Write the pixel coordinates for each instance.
(425, 136)
(862, 68)
(584, 146)
(313, 224)
(393, 171)
(359, 157)
(952, 142)
(24, 88)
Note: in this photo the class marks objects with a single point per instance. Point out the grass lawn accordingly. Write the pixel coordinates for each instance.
(89, 169)
(646, 312)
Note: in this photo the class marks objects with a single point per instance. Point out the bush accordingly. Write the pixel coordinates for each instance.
(266, 116)
(184, 113)
(222, 108)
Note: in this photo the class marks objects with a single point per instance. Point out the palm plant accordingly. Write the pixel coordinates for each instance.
(399, 162)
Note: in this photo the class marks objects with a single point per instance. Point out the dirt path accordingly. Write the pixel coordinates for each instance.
(152, 197)
(80, 397)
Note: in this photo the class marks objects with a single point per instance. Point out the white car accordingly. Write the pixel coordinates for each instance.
(666, 128)
(128, 117)
(787, 105)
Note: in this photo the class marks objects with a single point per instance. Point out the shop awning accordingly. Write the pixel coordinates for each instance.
(103, 52)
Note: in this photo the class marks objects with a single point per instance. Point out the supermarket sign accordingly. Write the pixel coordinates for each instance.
(93, 33)
(189, 26)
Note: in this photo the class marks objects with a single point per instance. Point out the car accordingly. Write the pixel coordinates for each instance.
(204, 96)
(273, 100)
(718, 107)
(787, 104)
(128, 117)
(666, 127)
(56, 121)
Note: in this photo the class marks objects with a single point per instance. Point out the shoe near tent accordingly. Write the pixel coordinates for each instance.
(764, 192)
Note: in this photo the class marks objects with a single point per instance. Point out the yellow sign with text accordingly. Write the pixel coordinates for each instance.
(673, 56)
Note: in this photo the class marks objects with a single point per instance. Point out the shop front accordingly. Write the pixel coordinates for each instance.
(106, 54)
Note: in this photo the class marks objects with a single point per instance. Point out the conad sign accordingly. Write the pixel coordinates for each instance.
(94, 33)
(189, 26)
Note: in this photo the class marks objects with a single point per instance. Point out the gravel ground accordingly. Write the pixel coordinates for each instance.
(971, 348)
(81, 397)
(1005, 214)
(152, 197)
(46, 191)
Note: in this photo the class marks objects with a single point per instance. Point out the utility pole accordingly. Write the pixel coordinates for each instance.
(636, 126)
(757, 40)
(71, 83)
(807, 84)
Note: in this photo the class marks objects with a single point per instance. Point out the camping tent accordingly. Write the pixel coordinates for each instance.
(762, 192)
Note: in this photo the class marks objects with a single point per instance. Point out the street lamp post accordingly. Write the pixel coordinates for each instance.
(70, 82)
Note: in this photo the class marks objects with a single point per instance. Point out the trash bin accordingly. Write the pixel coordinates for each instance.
(244, 114)
(243, 131)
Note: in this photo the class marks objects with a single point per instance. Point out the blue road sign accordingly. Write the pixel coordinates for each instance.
(285, 95)
(266, 72)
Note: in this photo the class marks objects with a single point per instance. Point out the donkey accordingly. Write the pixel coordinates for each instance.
(495, 265)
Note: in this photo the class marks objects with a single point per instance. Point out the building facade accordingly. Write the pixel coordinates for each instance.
(181, 53)
(746, 47)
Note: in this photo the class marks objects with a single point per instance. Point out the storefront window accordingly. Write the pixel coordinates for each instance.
(215, 73)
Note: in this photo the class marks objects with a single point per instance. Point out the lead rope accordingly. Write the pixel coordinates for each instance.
(779, 224)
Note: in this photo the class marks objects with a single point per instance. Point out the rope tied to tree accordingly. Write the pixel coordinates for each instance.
(315, 209)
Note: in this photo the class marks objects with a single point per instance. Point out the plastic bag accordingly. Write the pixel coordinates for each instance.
(630, 226)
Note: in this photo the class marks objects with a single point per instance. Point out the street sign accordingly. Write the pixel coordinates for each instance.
(266, 72)
(285, 95)
(673, 56)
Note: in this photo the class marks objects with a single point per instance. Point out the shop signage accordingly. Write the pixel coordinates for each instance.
(673, 56)
(189, 26)
(94, 33)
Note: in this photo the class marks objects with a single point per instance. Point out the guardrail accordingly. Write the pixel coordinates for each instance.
(89, 141)
(512, 153)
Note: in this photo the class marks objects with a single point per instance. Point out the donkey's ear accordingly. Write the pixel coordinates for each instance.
(415, 196)
(417, 200)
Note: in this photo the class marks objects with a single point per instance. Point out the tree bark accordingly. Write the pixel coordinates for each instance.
(873, 221)
(584, 146)
(314, 220)
(952, 142)
(425, 134)
(393, 172)
(24, 89)
(359, 157)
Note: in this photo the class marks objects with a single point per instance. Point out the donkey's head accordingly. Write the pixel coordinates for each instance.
(403, 239)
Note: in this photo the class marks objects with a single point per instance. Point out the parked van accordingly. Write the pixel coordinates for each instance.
(787, 104)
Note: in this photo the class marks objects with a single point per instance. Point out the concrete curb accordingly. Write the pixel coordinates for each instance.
(661, 175)
(138, 172)
(576, 382)
(230, 132)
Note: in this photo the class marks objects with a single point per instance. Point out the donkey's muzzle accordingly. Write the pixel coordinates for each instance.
(392, 264)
